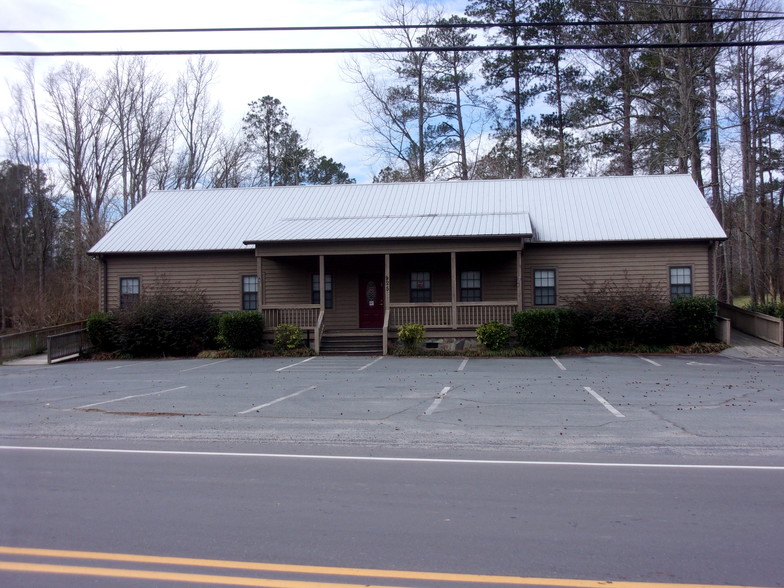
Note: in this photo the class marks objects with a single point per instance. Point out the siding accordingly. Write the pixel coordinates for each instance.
(577, 266)
(218, 274)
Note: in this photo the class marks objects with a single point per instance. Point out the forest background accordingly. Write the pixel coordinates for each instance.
(502, 89)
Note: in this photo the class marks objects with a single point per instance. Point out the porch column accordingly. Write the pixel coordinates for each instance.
(262, 299)
(387, 302)
(454, 289)
(519, 279)
(322, 293)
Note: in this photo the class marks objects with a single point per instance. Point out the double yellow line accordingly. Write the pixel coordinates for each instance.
(142, 574)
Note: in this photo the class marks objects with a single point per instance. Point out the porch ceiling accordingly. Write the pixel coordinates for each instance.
(397, 227)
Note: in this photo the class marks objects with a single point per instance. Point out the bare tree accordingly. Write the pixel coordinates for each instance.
(198, 122)
(231, 164)
(139, 110)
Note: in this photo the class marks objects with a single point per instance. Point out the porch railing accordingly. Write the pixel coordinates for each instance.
(440, 314)
(303, 315)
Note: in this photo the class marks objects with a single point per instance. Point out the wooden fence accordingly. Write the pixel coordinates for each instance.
(32, 342)
(756, 324)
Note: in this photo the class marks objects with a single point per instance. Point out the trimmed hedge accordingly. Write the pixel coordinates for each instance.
(537, 329)
(493, 335)
(411, 335)
(102, 331)
(694, 319)
(287, 338)
(242, 330)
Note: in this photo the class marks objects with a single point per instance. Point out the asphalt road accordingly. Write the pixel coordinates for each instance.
(397, 472)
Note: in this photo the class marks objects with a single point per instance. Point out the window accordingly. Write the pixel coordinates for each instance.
(250, 293)
(130, 291)
(544, 287)
(471, 286)
(420, 287)
(315, 298)
(680, 282)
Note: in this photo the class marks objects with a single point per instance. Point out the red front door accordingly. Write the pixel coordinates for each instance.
(371, 302)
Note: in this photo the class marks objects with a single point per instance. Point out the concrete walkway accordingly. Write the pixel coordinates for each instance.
(748, 347)
(29, 360)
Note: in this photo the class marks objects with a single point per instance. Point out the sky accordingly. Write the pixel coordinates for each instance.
(319, 99)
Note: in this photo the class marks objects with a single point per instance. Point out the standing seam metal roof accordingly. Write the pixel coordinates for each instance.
(553, 210)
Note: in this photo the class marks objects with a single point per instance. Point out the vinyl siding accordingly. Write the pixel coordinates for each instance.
(578, 266)
(219, 275)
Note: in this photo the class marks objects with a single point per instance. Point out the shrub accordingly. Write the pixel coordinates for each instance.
(568, 328)
(168, 322)
(287, 338)
(623, 314)
(770, 308)
(537, 328)
(493, 335)
(411, 335)
(694, 319)
(242, 330)
(102, 331)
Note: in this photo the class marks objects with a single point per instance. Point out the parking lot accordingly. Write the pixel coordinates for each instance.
(636, 405)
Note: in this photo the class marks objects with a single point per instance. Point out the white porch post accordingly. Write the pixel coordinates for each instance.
(453, 255)
(322, 294)
(387, 301)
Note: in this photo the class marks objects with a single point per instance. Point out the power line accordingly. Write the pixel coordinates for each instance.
(337, 28)
(338, 50)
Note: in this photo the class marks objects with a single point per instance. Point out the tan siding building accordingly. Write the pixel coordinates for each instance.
(448, 255)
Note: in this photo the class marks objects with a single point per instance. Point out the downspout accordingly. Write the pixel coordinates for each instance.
(104, 305)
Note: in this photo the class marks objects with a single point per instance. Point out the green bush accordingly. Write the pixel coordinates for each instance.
(537, 328)
(568, 328)
(493, 335)
(287, 338)
(770, 308)
(166, 323)
(411, 335)
(622, 314)
(102, 331)
(242, 330)
(694, 319)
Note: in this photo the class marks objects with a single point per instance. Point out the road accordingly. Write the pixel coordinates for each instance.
(397, 473)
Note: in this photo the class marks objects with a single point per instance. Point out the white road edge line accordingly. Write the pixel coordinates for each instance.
(462, 365)
(558, 363)
(293, 364)
(266, 404)
(649, 361)
(681, 466)
(438, 400)
(129, 397)
(604, 403)
(198, 367)
(371, 363)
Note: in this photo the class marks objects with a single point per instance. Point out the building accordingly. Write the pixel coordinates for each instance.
(449, 255)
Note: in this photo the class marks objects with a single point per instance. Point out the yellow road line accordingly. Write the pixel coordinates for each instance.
(172, 576)
(335, 571)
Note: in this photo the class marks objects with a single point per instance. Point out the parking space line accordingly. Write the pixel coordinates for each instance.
(462, 365)
(293, 364)
(649, 361)
(438, 400)
(27, 391)
(371, 363)
(558, 363)
(604, 403)
(129, 397)
(266, 404)
(198, 367)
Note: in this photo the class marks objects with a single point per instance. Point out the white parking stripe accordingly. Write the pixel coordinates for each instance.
(198, 367)
(462, 365)
(650, 361)
(606, 404)
(558, 363)
(293, 364)
(266, 404)
(438, 400)
(371, 363)
(129, 397)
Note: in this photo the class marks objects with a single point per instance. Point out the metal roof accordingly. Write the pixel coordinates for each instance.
(552, 210)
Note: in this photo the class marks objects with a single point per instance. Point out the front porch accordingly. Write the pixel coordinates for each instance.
(370, 295)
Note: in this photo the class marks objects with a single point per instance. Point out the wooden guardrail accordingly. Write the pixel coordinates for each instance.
(71, 344)
(762, 326)
(32, 342)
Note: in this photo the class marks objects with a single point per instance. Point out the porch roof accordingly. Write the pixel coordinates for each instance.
(399, 227)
